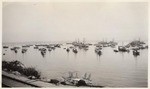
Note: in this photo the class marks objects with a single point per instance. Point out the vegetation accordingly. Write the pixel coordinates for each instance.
(31, 72)
(19, 67)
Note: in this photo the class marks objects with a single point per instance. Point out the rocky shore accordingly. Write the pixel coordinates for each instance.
(22, 76)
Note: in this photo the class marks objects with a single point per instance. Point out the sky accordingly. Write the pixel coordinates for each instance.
(67, 21)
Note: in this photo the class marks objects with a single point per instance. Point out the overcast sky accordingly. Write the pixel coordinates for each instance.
(26, 22)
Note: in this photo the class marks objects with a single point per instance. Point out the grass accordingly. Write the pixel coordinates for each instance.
(18, 66)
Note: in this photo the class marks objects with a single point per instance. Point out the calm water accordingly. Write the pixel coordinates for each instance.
(110, 69)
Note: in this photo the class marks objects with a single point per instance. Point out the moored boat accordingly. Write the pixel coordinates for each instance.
(75, 50)
(5, 47)
(98, 50)
(24, 50)
(115, 50)
(67, 49)
(136, 53)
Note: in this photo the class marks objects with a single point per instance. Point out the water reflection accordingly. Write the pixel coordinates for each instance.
(136, 61)
(98, 57)
(75, 55)
(122, 54)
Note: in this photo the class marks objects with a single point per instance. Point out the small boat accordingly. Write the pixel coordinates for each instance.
(115, 50)
(5, 46)
(136, 53)
(75, 50)
(24, 50)
(57, 45)
(14, 48)
(98, 50)
(42, 49)
(67, 49)
(15, 51)
(43, 53)
(122, 48)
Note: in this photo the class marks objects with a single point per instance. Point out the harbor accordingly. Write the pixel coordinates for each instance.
(75, 44)
(81, 59)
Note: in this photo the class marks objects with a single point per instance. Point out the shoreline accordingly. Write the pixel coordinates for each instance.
(30, 82)
(24, 80)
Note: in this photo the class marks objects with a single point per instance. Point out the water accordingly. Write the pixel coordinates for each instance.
(110, 69)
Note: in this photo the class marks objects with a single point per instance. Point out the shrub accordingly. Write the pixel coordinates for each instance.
(4, 65)
(12, 66)
(31, 72)
(18, 66)
(81, 83)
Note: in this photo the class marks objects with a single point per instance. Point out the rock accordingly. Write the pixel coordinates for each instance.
(31, 77)
(63, 83)
(54, 81)
(17, 73)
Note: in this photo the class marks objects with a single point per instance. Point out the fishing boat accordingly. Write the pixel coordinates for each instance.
(122, 48)
(98, 50)
(75, 50)
(136, 53)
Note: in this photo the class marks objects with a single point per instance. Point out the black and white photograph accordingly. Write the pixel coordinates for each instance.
(74, 44)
